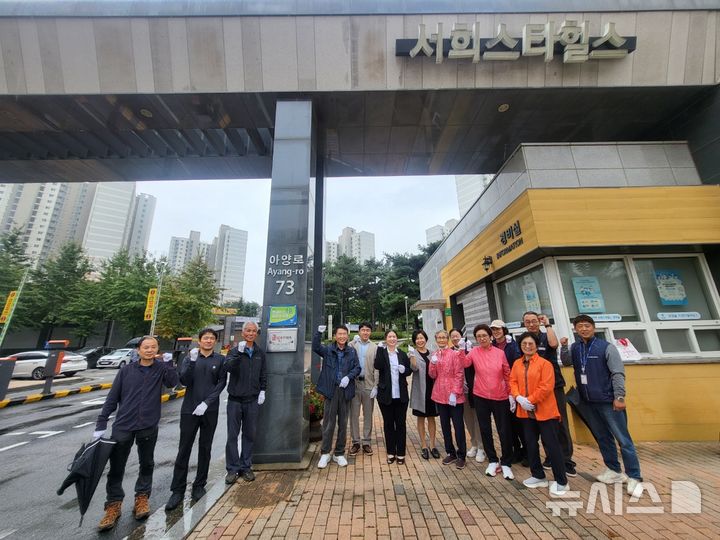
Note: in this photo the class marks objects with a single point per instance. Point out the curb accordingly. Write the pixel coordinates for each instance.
(33, 398)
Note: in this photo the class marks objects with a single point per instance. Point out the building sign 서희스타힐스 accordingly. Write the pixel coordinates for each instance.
(511, 239)
(571, 40)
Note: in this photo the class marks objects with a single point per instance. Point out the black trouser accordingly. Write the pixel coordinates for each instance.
(548, 431)
(518, 437)
(500, 410)
(240, 416)
(566, 444)
(189, 426)
(145, 440)
(394, 426)
(335, 411)
(448, 413)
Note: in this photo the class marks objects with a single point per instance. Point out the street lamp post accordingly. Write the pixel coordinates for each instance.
(407, 323)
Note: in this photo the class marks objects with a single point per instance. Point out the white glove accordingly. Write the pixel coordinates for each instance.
(525, 403)
(194, 354)
(434, 359)
(373, 392)
(167, 357)
(401, 369)
(466, 390)
(200, 409)
(513, 405)
(411, 351)
(322, 328)
(452, 400)
(98, 434)
(465, 344)
(261, 397)
(344, 382)
(381, 344)
(241, 346)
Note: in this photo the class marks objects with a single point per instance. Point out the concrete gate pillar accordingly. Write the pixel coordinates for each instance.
(290, 264)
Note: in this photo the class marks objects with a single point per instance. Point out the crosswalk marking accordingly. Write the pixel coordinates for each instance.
(80, 426)
(45, 434)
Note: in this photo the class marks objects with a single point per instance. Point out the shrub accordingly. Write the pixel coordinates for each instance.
(313, 401)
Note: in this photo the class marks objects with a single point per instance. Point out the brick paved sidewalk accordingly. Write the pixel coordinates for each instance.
(423, 499)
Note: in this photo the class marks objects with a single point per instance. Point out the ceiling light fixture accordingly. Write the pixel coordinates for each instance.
(504, 107)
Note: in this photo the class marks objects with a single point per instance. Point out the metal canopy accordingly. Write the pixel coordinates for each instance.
(212, 136)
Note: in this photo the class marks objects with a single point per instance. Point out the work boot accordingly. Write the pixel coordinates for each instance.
(141, 510)
(198, 492)
(111, 517)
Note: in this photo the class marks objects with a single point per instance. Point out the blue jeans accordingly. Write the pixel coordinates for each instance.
(611, 425)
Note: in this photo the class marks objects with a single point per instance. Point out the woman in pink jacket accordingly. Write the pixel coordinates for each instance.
(491, 390)
(447, 367)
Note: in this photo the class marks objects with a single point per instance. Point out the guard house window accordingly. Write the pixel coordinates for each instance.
(599, 288)
(527, 291)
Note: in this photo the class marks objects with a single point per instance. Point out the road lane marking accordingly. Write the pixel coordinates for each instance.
(79, 426)
(45, 434)
(13, 446)
(16, 433)
(96, 401)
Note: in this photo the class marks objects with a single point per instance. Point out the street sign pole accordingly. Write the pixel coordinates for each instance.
(12, 309)
(157, 303)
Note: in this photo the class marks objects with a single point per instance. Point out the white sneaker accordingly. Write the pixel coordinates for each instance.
(610, 477)
(340, 460)
(533, 482)
(480, 456)
(324, 460)
(492, 469)
(507, 473)
(559, 489)
(472, 452)
(634, 487)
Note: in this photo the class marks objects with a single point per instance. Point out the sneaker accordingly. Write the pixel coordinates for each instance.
(492, 469)
(367, 449)
(610, 477)
(248, 475)
(472, 452)
(533, 482)
(480, 457)
(354, 449)
(634, 487)
(141, 510)
(231, 477)
(324, 460)
(175, 500)
(197, 493)
(546, 464)
(340, 460)
(507, 473)
(434, 452)
(570, 470)
(460, 463)
(449, 459)
(111, 517)
(559, 489)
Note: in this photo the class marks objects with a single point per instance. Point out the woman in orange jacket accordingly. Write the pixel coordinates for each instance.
(532, 382)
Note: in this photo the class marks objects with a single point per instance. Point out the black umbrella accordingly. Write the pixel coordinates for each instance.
(86, 470)
(581, 407)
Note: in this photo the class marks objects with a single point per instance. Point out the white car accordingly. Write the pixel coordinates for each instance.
(117, 359)
(32, 364)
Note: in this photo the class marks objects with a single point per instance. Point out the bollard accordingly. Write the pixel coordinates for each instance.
(7, 366)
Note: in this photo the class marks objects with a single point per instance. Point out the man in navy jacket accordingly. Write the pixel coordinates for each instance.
(136, 394)
(336, 383)
(204, 375)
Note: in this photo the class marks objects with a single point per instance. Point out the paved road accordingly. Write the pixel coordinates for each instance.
(39, 440)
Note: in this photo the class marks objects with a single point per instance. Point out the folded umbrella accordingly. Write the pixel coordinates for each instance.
(581, 407)
(86, 470)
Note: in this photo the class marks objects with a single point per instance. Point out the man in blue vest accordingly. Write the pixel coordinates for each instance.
(600, 378)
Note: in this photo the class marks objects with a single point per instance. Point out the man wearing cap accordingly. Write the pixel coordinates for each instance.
(502, 339)
(547, 348)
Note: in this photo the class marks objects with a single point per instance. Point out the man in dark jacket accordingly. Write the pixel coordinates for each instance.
(136, 393)
(204, 376)
(246, 392)
(340, 367)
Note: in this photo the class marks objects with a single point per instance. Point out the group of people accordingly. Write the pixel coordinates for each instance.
(517, 383)
(135, 398)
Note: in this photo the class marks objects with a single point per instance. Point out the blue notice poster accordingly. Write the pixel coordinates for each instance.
(588, 295)
(670, 288)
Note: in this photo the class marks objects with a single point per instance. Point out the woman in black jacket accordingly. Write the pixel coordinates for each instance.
(393, 368)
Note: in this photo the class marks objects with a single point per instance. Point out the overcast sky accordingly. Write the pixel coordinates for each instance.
(396, 209)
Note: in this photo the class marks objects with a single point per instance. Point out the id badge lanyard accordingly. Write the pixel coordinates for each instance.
(584, 354)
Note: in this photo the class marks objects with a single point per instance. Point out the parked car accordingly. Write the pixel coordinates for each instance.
(116, 359)
(92, 354)
(32, 364)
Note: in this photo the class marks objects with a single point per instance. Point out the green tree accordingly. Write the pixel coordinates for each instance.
(342, 279)
(13, 262)
(186, 301)
(123, 288)
(367, 302)
(245, 309)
